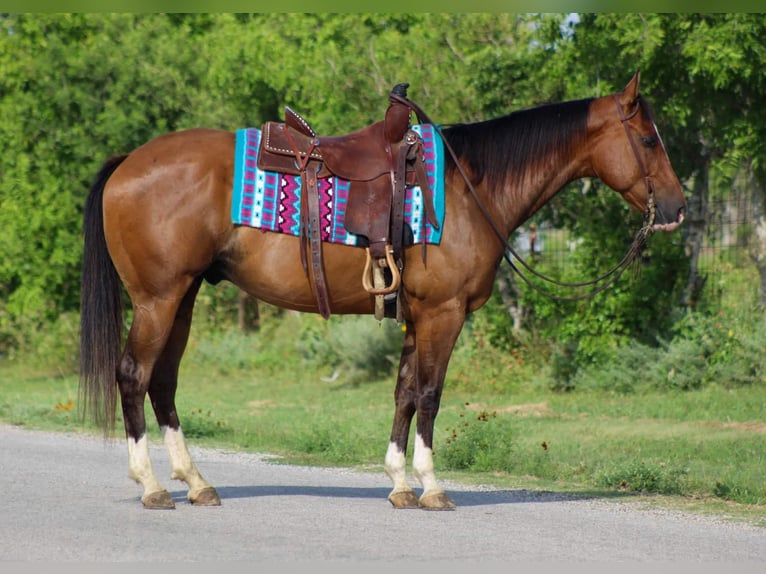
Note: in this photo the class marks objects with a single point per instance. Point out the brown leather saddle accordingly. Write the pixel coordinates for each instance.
(379, 161)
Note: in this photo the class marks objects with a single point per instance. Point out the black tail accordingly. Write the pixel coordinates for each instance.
(101, 314)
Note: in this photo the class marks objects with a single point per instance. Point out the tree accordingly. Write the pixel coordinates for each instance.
(724, 54)
(75, 89)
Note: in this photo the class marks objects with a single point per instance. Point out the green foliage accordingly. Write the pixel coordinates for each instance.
(215, 308)
(723, 53)
(641, 306)
(352, 349)
(638, 476)
(731, 346)
(357, 348)
(489, 357)
(563, 368)
(745, 495)
(201, 423)
(704, 350)
(479, 442)
(228, 350)
(76, 88)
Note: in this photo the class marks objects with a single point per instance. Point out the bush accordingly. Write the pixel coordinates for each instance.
(359, 348)
(478, 364)
(43, 343)
(704, 350)
(731, 345)
(203, 424)
(640, 477)
(479, 442)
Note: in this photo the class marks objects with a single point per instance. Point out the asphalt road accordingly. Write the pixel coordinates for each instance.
(67, 498)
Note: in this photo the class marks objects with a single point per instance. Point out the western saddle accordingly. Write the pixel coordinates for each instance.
(379, 161)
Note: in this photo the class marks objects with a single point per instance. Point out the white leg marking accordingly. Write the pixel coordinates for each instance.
(395, 467)
(423, 467)
(183, 467)
(140, 466)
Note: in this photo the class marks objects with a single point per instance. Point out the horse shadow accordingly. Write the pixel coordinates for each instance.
(462, 498)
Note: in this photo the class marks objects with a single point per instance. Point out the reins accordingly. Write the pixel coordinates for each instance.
(613, 274)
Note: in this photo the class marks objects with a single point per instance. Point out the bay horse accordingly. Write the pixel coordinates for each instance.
(157, 221)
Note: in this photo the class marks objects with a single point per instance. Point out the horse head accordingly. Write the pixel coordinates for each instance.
(629, 157)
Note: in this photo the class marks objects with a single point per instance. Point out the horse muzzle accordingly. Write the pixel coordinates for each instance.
(670, 225)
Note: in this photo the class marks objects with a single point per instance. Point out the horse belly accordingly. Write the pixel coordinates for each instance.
(268, 266)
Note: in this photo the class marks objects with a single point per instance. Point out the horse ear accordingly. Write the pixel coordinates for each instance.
(630, 93)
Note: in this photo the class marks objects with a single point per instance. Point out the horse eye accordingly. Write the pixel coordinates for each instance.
(649, 141)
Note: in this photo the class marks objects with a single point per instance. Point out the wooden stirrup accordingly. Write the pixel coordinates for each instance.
(367, 274)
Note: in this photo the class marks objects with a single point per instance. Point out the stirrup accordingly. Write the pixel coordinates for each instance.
(367, 273)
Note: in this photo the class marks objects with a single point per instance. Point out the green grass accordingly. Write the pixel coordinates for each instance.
(702, 450)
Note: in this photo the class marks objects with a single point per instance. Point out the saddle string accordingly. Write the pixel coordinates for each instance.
(612, 274)
(310, 228)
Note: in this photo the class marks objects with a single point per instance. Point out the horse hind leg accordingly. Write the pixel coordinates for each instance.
(152, 325)
(162, 391)
(133, 376)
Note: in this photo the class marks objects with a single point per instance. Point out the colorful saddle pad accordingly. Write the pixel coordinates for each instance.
(271, 201)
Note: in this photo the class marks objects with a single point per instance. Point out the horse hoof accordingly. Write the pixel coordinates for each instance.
(205, 497)
(404, 499)
(436, 501)
(158, 500)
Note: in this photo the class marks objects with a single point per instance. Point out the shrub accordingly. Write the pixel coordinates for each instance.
(479, 442)
(203, 424)
(356, 347)
(640, 477)
(704, 349)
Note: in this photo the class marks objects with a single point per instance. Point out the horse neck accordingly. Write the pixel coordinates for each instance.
(518, 202)
(545, 176)
(515, 201)
(524, 159)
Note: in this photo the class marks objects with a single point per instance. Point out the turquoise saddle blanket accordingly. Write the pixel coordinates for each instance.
(270, 201)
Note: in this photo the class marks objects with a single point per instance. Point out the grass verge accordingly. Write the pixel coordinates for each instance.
(698, 450)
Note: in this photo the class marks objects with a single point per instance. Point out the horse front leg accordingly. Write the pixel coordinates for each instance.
(427, 349)
(403, 496)
(436, 334)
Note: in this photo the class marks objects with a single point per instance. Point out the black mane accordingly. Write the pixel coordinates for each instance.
(504, 150)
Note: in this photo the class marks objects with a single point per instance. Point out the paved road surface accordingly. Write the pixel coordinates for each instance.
(67, 498)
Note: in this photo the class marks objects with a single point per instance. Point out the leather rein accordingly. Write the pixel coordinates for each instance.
(613, 274)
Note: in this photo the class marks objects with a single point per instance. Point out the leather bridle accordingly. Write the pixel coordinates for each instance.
(650, 205)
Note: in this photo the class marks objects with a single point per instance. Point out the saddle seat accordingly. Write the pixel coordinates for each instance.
(378, 160)
(361, 155)
(358, 156)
